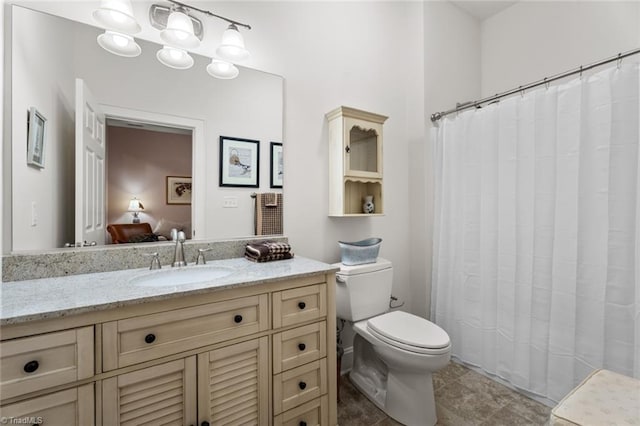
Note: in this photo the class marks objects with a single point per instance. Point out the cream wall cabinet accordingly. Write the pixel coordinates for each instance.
(355, 161)
(258, 355)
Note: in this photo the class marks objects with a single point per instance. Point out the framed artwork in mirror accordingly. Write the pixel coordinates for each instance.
(178, 190)
(275, 178)
(239, 162)
(36, 127)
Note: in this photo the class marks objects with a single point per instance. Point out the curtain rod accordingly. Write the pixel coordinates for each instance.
(476, 104)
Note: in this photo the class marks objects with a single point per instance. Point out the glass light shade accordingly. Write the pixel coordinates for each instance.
(179, 31)
(174, 58)
(135, 205)
(117, 15)
(223, 70)
(232, 47)
(119, 44)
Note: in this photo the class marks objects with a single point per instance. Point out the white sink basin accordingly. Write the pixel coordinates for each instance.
(180, 276)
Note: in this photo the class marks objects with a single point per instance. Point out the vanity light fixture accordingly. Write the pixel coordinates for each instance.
(174, 57)
(135, 207)
(179, 30)
(232, 48)
(119, 44)
(116, 16)
(223, 70)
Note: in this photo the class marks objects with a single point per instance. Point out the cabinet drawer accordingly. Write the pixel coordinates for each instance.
(46, 360)
(300, 385)
(134, 340)
(71, 407)
(298, 305)
(313, 413)
(298, 346)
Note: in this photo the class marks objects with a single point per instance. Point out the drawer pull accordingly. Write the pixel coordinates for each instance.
(31, 366)
(303, 423)
(302, 385)
(237, 319)
(204, 424)
(302, 305)
(302, 346)
(150, 338)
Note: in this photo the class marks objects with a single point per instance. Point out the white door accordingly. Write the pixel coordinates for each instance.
(90, 167)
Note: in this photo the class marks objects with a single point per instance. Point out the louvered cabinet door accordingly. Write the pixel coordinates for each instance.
(233, 384)
(164, 394)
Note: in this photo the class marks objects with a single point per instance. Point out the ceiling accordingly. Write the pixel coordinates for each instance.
(483, 9)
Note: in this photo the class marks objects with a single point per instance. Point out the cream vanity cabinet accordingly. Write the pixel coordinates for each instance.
(259, 354)
(355, 161)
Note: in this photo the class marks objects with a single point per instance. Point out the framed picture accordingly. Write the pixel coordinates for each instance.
(239, 162)
(35, 138)
(276, 165)
(178, 190)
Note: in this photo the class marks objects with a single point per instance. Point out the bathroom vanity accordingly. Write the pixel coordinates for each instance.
(254, 345)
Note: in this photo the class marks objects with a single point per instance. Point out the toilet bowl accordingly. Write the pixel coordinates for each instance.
(394, 353)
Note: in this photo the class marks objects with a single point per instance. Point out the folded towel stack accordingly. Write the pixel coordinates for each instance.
(267, 251)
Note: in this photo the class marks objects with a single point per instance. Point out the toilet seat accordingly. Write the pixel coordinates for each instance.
(409, 332)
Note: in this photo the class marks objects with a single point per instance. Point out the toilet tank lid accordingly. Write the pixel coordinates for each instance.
(378, 265)
(409, 329)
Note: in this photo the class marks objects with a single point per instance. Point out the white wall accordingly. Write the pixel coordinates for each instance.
(532, 40)
(39, 69)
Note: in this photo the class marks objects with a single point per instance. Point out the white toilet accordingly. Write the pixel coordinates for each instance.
(394, 353)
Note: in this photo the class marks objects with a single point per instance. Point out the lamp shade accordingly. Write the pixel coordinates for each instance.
(223, 70)
(174, 58)
(179, 31)
(232, 47)
(135, 205)
(117, 15)
(119, 44)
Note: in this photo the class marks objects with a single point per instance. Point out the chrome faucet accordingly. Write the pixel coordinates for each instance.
(155, 260)
(178, 254)
(200, 260)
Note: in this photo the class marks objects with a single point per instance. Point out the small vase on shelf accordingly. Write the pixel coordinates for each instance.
(368, 206)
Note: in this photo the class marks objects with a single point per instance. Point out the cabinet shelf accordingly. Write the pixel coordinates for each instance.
(355, 161)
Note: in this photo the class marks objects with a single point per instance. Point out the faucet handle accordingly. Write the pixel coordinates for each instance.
(174, 234)
(200, 260)
(155, 260)
(181, 237)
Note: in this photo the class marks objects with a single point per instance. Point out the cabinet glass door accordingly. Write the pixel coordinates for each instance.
(362, 150)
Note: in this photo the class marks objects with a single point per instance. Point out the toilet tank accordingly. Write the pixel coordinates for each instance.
(363, 291)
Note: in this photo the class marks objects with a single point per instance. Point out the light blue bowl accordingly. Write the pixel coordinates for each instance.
(359, 252)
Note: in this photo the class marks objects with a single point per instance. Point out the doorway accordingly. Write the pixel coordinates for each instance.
(144, 160)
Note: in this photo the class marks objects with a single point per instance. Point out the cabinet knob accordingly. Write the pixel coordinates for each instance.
(302, 385)
(237, 319)
(150, 338)
(302, 346)
(31, 366)
(347, 149)
(302, 424)
(204, 424)
(302, 305)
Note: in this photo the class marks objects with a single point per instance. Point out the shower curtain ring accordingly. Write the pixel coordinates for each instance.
(521, 91)
(619, 60)
(546, 83)
(580, 72)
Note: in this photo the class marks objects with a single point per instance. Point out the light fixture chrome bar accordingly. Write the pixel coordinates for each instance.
(206, 12)
(477, 104)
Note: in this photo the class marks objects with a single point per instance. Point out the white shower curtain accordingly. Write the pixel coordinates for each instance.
(537, 233)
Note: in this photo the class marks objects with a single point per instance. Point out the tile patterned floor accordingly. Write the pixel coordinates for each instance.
(463, 398)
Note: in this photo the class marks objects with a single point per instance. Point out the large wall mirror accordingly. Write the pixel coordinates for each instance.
(163, 128)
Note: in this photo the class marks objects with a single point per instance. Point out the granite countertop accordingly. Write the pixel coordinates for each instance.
(32, 300)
